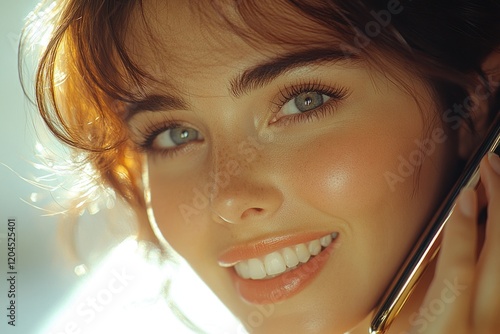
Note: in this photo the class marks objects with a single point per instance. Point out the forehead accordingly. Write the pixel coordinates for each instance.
(187, 38)
(173, 43)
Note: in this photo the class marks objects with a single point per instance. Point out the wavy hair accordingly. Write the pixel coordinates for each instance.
(86, 76)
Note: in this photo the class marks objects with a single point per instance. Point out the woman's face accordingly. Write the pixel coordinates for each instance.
(254, 155)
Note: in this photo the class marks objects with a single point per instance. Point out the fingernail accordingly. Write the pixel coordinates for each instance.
(467, 203)
(494, 162)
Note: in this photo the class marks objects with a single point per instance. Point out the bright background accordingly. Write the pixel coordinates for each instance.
(96, 282)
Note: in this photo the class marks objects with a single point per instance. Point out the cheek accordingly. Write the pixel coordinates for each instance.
(347, 174)
(179, 206)
(347, 178)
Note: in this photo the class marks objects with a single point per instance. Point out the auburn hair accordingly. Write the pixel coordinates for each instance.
(86, 75)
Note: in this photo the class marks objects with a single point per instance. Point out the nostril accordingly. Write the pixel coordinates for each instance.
(252, 212)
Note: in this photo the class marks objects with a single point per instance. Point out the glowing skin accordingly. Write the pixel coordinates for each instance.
(325, 174)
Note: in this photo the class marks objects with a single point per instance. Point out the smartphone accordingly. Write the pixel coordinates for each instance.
(429, 242)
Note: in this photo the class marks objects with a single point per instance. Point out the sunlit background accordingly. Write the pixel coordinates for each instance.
(88, 277)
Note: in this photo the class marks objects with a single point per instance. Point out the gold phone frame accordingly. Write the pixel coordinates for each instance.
(429, 242)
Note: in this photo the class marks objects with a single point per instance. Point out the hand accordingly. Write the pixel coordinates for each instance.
(464, 297)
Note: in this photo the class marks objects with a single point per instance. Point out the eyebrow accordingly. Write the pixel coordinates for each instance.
(155, 102)
(260, 75)
(253, 78)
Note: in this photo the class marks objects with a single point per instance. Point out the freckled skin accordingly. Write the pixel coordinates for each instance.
(321, 175)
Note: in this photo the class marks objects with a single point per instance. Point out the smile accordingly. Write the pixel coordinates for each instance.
(283, 260)
(274, 269)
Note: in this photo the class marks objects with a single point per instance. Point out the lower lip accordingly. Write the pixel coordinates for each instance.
(281, 287)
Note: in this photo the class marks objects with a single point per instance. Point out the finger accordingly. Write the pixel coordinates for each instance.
(481, 197)
(487, 302)
(490, 171)
(450, 294)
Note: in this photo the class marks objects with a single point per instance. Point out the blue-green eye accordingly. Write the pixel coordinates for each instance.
(304, 102)
(307, 101)
(175, 136)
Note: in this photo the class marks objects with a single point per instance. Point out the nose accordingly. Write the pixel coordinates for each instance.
(247, 195)
(243, 201)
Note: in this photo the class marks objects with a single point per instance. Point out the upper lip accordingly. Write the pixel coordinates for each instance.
(263, 246)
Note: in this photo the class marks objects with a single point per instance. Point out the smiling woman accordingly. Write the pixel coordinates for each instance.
(254, 139)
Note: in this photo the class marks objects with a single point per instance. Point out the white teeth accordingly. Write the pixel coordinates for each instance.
(302, 253)
(326, 240)
(256, 268)
(243, 270)
(314, 247)
(274, 263)
(291, 259)
(281, 261)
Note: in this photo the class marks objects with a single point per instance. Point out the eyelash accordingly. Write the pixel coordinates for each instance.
(336, 94)
(150, 133)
